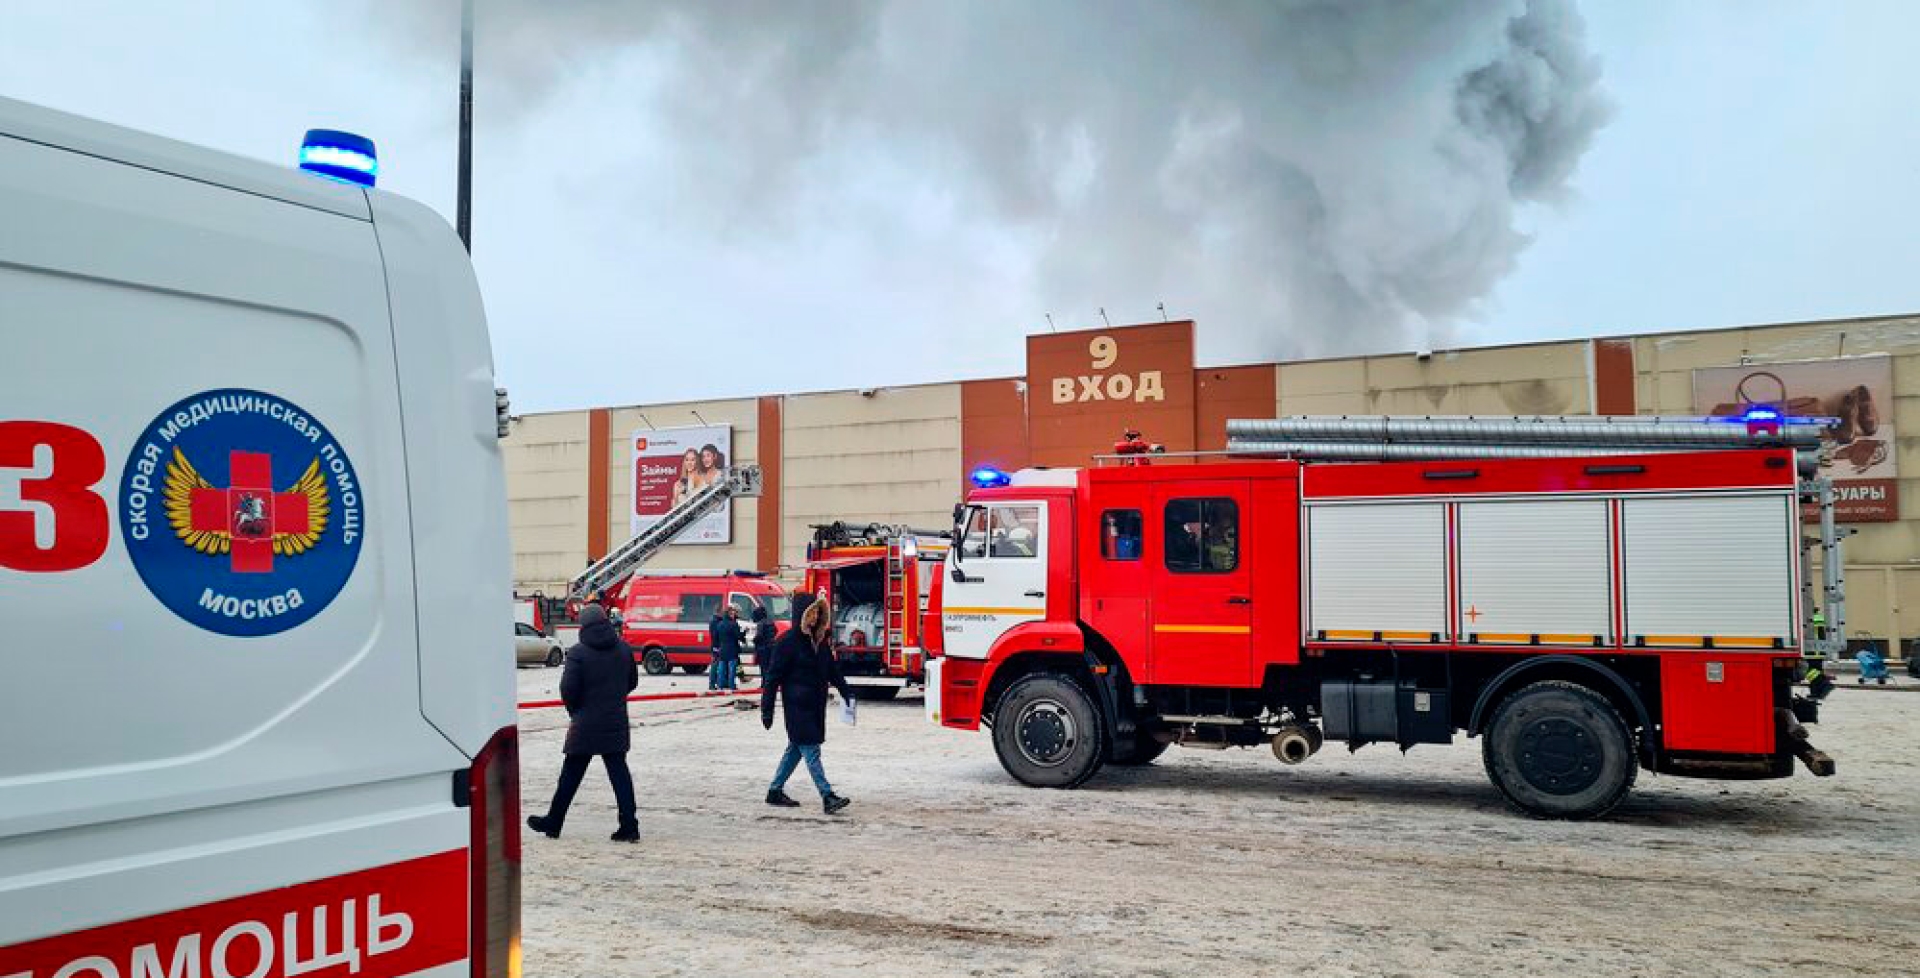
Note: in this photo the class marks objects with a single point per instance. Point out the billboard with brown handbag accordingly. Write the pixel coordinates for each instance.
(1858, 391)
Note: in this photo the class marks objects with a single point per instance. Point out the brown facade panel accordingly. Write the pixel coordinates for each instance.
(1086, 387)
(767, 540)
(1221, 393)
(598, 472)
(1613, 377)
(993, 425)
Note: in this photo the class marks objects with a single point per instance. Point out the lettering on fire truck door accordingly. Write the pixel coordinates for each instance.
(1202, 606)
(1002, 559)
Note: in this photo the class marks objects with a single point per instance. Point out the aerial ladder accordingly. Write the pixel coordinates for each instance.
(740, 481)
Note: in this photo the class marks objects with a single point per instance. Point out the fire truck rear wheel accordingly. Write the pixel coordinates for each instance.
(1559, 750)
(1048, 733)
(655, 663)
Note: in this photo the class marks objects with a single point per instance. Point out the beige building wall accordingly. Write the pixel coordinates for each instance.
(895, 456)
(892, 457)
(546, 461)
(742, 415)
(1883, 561)
(1542, 378)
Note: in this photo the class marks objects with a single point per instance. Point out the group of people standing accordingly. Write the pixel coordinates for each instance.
(796, 672)
(727, 639)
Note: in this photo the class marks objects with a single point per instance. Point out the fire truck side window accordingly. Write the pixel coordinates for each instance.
(698, 608)
(1203, 536)
(1015, 531)
(1120, 534)
(974, 542)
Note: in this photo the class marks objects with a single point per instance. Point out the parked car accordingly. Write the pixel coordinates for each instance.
(531, 647)
(665, 617)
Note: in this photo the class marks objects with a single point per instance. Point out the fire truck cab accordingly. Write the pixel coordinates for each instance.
(1585, 617)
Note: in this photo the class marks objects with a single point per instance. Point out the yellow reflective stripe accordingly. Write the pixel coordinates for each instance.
(1743, 642)
(1567, 639)
(1521, 638)
(1338, 635)
(1205, 629)
(1407, 636)
(1674, 639)
(995, 611)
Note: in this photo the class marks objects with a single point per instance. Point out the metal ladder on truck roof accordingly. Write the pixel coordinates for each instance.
(740, 480)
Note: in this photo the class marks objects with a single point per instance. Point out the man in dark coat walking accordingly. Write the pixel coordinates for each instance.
(727, 637)
(803, 667)
(764, 634)
(600, 673)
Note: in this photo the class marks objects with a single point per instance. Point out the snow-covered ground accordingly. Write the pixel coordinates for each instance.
(1210, 863)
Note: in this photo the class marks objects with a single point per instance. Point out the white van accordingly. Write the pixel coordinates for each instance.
(256, 701)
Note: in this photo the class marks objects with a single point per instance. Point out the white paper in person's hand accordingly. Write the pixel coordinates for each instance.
(847, 712)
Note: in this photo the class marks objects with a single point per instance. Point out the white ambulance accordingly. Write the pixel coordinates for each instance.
(256, 697)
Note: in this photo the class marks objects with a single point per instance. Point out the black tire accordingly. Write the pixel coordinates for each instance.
(555, 657)
(1145, 751)
(1048, 732)
(655, 662)
(694, 670)
(874, 694)
(1559, 750)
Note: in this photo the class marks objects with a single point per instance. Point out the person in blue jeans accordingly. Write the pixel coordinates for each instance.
(802, 667)
(728, 636)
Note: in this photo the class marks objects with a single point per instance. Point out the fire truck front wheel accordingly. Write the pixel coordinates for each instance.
(1048, 732)
(1559, 750)
(654, 661)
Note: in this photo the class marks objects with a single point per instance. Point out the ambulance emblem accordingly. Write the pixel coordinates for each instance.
(242, 512)
(249, 524)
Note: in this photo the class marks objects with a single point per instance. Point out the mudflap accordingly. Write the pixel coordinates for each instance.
(1119, 721)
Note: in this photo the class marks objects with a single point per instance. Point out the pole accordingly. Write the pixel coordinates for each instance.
(463, 193)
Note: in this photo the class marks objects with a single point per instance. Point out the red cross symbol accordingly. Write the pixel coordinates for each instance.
(250, 511)
(1473, 613)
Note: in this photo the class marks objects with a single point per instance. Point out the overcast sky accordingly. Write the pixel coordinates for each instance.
(683, 201)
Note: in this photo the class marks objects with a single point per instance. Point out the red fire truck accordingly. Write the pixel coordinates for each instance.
(1586, 603)
(874, 576)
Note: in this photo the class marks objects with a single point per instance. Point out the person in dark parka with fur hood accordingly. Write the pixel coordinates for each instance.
(600, 673)
(801, 668)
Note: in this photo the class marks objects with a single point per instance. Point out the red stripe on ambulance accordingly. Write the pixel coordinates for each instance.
(383, 922)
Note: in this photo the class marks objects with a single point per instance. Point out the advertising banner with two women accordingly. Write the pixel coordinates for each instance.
(670, 465)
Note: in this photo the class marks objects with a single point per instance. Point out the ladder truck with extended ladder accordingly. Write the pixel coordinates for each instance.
(606, 577)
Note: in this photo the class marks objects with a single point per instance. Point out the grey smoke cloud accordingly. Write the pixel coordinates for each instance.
(1330, 176)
